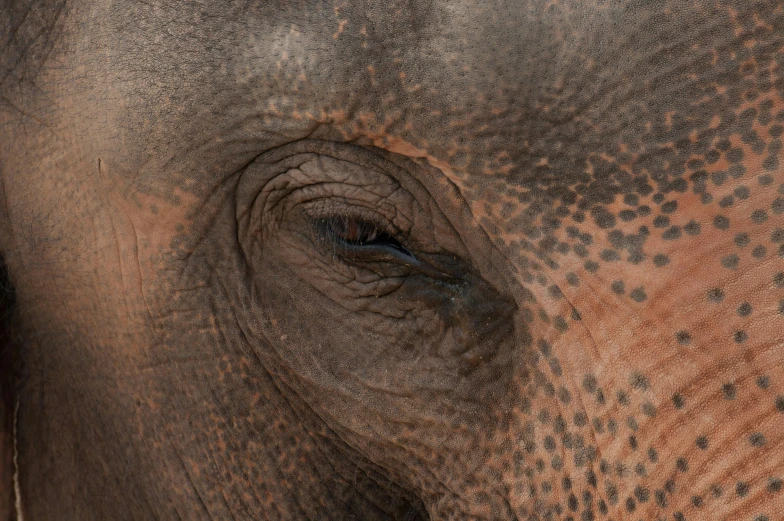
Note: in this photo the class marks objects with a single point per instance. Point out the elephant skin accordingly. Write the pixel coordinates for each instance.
(394, 259)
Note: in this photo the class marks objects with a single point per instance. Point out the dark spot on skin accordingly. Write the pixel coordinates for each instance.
(683, 337)
(696, 501)
(759, 216)
(682, 464)
(661, 221)
(672, 233)
(716, 295)
(718, 178)
(729, 391)
(741, 488)
(602, 217)
(744, 309)
(778, 205)
(618, 287)
(653, 456)
(638, 294)
(612, 493)
(763, 382)
(770, 163)
(778, 279)
(742, 192)
(721, 222)
(589, 383)
(669, 207)
(765, 180)
(757, 439)
(730, 261)
(608, 255)
(758, 252)
(726, 201)
(740, 337)
(591, 266)
(642, 494)
(560, 324)
(775, 485)
(780, 403)
(638, 381)
(723, 145)
(742, 239)
(692, 228)
(679, 402)
(736, 171)
(702, 442)
(735, 155)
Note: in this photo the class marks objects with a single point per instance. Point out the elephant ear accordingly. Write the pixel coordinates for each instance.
(7, 499)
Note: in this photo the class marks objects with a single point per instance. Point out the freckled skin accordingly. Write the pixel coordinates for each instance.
(583, 319)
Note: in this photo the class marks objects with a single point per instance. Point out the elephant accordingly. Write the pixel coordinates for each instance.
(392, 260)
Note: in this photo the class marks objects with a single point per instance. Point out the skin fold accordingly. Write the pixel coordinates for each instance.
(392, 260)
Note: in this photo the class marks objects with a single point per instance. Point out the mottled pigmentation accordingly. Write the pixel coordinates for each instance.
(581, 319)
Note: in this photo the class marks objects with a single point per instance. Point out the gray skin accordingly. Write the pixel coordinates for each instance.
(393, 260)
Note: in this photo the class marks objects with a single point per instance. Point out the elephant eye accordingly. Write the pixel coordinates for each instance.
(354, 231)
(357, 234)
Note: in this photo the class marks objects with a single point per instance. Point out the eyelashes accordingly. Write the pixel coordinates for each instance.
(358, 237)
(355, 231)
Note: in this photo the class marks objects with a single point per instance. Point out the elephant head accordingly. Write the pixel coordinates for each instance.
(393, 260)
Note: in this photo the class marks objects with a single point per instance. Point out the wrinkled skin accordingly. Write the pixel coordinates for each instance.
(395, 260)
